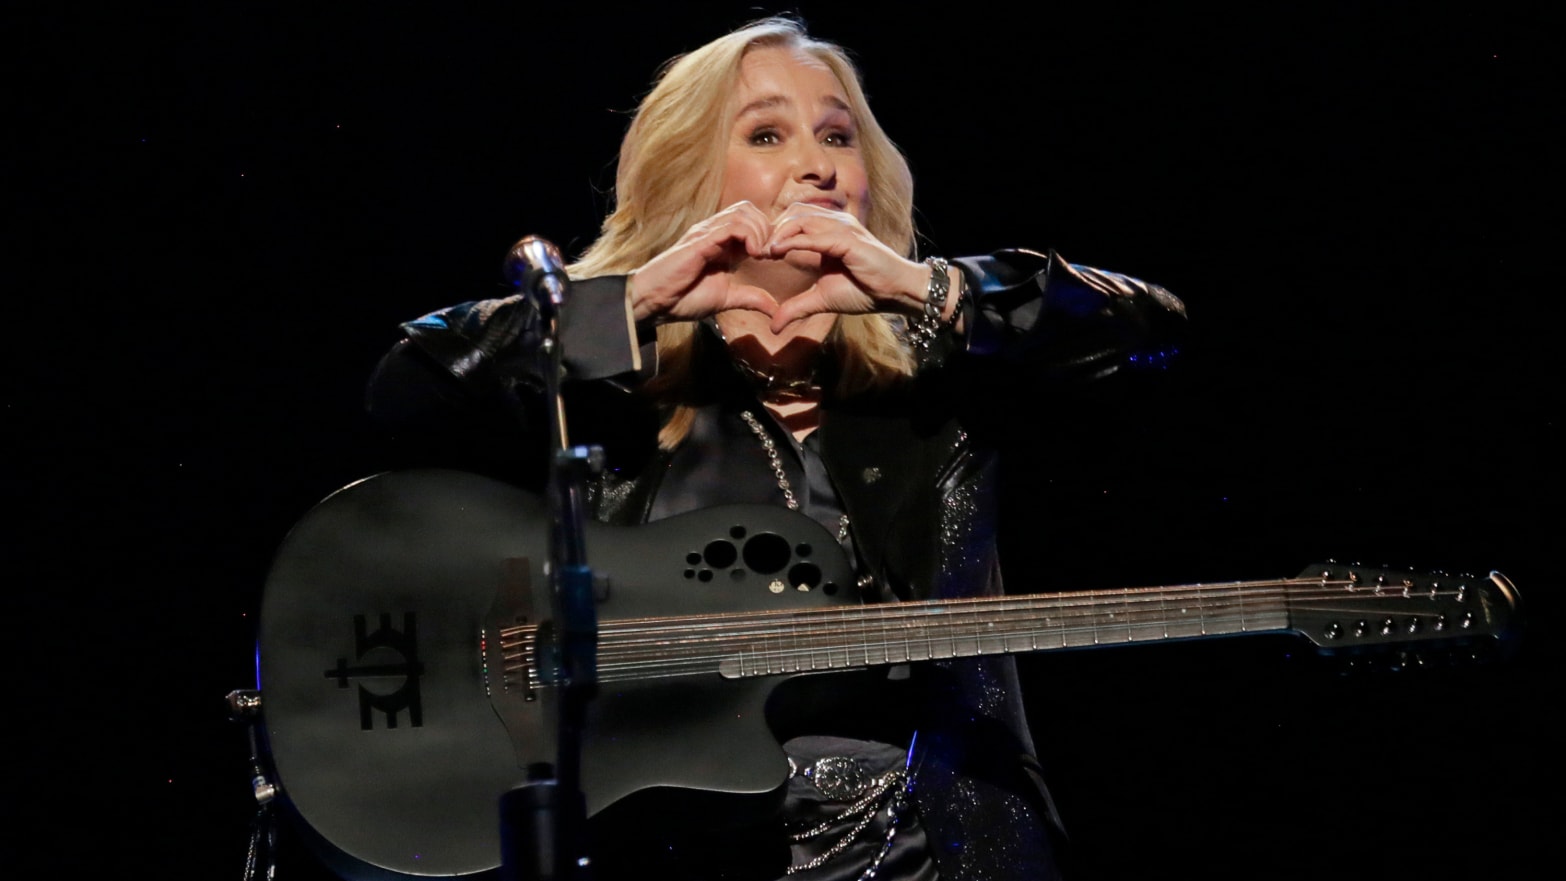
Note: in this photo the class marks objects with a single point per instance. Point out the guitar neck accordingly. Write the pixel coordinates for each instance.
(906, 632)
(1332, 606)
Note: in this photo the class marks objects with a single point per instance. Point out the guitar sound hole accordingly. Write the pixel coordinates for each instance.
(720, 554)
(766, 553)
(805, 575)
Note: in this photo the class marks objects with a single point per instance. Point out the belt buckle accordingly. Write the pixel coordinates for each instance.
(840, 778)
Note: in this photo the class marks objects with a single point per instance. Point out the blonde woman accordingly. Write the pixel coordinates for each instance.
(753, 325)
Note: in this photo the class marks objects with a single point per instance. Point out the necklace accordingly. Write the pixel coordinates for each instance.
(768, 444)
(772, 386)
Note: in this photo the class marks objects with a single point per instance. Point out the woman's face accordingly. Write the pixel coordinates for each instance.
(793, 138)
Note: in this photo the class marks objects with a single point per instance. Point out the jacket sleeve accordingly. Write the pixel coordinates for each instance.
(1069, 320)
(461, 387)
(464, 356)
(498, 340)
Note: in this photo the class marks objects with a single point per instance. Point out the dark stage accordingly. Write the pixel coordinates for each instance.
(225, 210)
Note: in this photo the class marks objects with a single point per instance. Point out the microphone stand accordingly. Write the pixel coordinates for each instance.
(543, 821)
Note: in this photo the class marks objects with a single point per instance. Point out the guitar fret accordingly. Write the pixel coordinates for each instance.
(886, 643)
(1145, 625)
(864, 644)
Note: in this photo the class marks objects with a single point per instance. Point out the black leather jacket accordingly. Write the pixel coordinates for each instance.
(915, 468)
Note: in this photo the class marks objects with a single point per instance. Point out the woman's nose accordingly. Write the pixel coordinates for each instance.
(813, 162)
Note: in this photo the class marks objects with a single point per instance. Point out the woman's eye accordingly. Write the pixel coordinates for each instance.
(764, 136)
(839, 139)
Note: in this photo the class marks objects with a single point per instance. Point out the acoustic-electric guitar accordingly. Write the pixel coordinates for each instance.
(405, 628)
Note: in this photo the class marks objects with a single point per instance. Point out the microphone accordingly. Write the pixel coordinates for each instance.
(535, 267)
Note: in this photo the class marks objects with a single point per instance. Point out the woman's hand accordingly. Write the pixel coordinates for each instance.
(694, 277)
(859, 273)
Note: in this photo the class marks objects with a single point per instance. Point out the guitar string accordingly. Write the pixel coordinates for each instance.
(866, 652)
(773, 626)
(824, 659)
(1208, 600)
(730, 640)
(753, 624)
(646, 646)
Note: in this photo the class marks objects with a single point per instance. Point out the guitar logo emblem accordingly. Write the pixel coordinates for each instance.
(405, 643)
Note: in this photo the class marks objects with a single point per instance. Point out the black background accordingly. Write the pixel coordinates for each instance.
(223, 210)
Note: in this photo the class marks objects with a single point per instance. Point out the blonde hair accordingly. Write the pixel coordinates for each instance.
(670, 176)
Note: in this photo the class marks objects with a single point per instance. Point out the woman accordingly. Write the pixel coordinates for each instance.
(753, 326)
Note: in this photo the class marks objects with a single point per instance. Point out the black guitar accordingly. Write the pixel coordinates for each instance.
(402, 621)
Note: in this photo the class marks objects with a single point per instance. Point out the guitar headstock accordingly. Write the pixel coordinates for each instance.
(1355, 608)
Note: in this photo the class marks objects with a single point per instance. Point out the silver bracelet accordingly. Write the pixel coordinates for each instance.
(922, 331)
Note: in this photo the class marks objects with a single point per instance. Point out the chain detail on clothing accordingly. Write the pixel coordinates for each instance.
(776, 461)
(866, 809)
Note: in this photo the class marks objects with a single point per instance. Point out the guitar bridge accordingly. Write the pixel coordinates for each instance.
(508, 640)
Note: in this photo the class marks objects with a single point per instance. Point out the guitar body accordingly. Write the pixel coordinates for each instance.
(394, 721)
